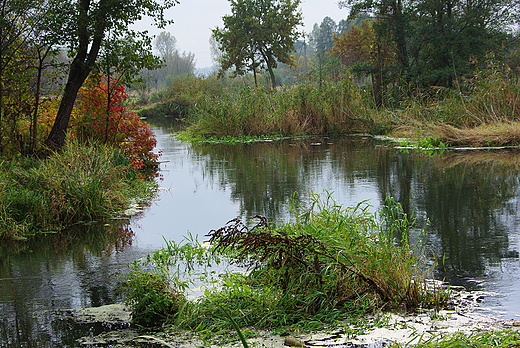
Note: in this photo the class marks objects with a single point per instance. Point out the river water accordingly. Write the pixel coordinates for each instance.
(470, 198)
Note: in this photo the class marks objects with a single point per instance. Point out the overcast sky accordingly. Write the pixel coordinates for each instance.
(194, 20)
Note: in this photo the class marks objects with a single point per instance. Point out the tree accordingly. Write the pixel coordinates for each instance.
(27, 42)
(363, 52)
(87, 28)
(321, 36)
(257, 35)
(175, 62)
(165, 44)
(436, 40)
(453, 35)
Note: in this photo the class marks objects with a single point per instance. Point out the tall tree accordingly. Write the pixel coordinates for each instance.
(174, 62)
(28, 37)
(321, 35)
(453, 35)
(258, 34)
(434, 40)
(363, 52)
(88, 27)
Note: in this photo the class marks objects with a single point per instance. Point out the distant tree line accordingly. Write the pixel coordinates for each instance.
(398, 47)
(174, 63)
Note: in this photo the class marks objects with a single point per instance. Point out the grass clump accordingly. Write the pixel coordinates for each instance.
(82, 183)
(332, 108)
(330, 264)
(500, 339)
(151, 297)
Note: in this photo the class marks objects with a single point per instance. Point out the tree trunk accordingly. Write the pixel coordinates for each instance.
(78, 74)
(88, 49)
(271, 74)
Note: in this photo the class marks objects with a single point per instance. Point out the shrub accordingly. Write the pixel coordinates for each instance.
(101, 116)
(151, 298)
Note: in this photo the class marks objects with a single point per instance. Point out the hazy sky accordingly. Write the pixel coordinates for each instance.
(194, 20)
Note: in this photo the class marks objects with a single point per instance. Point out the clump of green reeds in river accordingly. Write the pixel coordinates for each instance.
(305, 109)
(330, 264)
(79, 184)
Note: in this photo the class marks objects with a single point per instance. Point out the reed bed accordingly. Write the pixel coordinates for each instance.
(332, 108)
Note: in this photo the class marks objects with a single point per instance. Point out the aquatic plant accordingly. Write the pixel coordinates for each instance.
(331, 263)
(151, 297)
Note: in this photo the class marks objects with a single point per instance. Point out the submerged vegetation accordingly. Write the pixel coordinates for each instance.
(330, 264)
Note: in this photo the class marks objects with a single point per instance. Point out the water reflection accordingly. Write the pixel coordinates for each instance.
(263, 177)
(471, 200)
(69, 270)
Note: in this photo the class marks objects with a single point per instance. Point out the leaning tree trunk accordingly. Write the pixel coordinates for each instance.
(78, 73)
(89, 46)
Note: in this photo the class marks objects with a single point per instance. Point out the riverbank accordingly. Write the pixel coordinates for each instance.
(81, 184)
(383, 329)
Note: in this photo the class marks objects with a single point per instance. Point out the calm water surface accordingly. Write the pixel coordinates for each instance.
(472, 201)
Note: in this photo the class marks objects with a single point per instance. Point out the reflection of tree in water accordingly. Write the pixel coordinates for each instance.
(42, 273)
(468, 198)
(264, 177)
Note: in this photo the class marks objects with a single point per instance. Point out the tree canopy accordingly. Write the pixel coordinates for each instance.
(423, 43)
(435, 40)
(257, 35)
(88, 27)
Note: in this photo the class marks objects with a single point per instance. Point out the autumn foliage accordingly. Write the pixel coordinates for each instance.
(101, 115)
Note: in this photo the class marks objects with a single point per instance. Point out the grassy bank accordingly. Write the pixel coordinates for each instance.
(332, 108)
(479, 111)
(80, 184)
(329, 265)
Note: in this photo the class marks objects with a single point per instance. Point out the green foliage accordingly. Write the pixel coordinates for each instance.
(80, 184)
(435, 42)
(151, 298)
(257, 35)
(334, 108)
(486, 339)
(179, 101)
(97, 27)
(331, 263)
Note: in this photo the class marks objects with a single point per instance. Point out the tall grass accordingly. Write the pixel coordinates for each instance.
(81, 183)
(332, 263)
(332, 108)
(481, 111)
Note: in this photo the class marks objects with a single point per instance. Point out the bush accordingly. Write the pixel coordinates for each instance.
(151, 298)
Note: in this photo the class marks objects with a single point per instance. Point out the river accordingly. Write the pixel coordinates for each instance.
(469, 201)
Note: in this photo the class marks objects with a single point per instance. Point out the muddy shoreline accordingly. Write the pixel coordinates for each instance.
(399, 328)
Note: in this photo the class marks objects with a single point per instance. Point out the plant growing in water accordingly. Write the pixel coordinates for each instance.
(331, 263)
